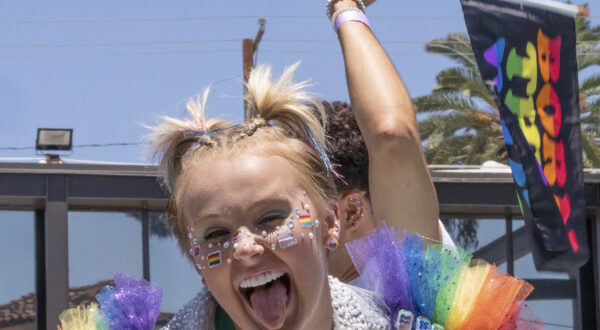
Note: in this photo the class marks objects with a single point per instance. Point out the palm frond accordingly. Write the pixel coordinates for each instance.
(591, 152)
(465, 80)
(455, 46)
(441, 101)
(590, 86)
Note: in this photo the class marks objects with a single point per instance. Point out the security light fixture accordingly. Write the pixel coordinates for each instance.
(54, 139)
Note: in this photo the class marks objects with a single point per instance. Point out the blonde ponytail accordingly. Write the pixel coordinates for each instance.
(285, 103)
(173, 137)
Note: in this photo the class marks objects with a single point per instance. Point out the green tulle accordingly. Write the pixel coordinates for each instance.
(453, 262)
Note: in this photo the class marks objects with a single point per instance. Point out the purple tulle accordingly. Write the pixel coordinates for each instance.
(380, 261)
(132, 304)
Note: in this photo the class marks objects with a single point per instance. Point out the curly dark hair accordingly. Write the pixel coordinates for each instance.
(347, 147)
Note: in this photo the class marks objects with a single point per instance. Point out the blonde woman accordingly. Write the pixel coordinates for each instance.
(254, 205)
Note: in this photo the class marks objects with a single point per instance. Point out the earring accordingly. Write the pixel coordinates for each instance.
(332, 244)
(355, 217)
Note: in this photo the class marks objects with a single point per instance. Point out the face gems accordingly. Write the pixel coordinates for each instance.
(317, 223)
(214, 259)
(226, 244)
(286, 240)
(310, 235)
(210, 245)
(273, 246)
(290, 224)
(305, 221)
(238, 236)
(263, 234)
(298, 211)
(302, 235)
(277, 227)
(228, 260)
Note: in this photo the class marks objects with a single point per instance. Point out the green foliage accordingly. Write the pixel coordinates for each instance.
(459, 122)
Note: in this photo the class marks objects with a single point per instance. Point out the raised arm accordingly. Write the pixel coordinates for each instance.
(401, 188)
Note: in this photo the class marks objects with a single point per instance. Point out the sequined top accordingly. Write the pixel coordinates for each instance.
(353, 308)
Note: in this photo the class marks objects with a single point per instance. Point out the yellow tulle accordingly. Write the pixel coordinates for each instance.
(495, 301)
(469, 285)
(81, 317)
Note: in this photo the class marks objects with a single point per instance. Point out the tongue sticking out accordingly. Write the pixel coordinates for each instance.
(269, 302)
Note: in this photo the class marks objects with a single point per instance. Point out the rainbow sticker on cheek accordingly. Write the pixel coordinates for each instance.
(238, 236)
(214, 259)
(286, 240)
(305, 221)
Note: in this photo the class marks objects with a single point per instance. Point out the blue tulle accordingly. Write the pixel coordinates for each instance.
(426, 273)
(132, 304)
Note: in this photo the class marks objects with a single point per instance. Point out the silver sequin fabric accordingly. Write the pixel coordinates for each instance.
(353, 308)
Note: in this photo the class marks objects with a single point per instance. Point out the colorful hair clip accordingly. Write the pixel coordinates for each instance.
(320, 150)
(199, 133)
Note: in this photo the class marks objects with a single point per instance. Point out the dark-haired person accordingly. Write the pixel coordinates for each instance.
(349, 152)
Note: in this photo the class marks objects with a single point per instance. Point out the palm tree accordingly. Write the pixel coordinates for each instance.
(588, 39)
(459, 121)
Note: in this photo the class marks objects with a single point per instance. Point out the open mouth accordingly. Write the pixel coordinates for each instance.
(268, 295)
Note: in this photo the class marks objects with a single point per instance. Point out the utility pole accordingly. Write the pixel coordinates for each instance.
(249, 48)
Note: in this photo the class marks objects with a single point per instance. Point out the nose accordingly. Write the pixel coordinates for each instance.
(247, 248)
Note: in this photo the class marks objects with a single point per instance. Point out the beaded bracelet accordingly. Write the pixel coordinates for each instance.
(329, 7)
(351, 15)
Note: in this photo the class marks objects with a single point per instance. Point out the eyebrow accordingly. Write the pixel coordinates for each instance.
(260, 204)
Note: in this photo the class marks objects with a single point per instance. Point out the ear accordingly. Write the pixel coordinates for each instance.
(353, 203)
(332, 238)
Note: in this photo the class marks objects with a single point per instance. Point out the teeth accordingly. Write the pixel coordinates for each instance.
(262, 279)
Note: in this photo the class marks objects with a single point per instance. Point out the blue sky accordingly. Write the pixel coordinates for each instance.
(50, 75)
(104, 68)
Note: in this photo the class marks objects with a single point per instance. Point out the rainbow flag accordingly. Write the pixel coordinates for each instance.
(305, 220)
(214, 259)
(286, 239)
(238, 236)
